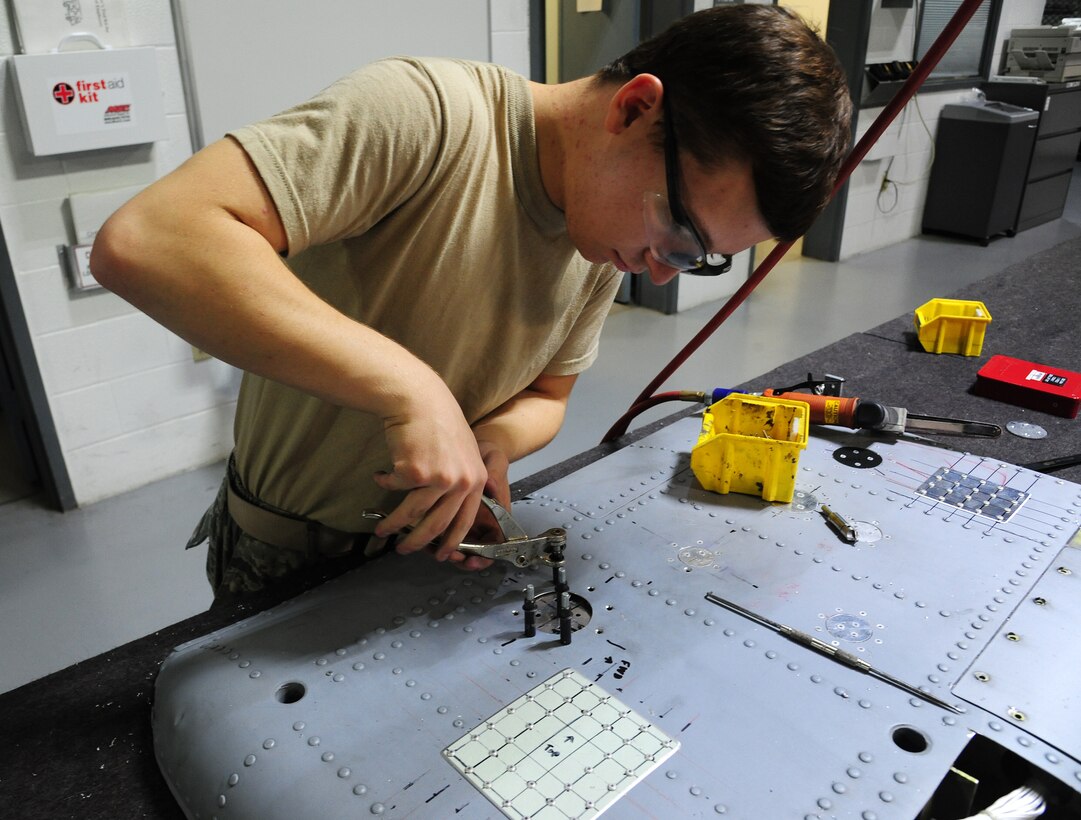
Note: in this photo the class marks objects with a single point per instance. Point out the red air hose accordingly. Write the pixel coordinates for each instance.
(889, 113)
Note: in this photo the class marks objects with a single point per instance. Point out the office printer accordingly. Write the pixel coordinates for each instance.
(1052, 53)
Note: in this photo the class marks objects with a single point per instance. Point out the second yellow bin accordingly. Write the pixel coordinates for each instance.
(952, 326)
(750, 444)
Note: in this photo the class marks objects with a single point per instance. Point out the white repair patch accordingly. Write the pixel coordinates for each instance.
(565, 749)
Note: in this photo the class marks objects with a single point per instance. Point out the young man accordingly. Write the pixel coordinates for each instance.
(454, 237)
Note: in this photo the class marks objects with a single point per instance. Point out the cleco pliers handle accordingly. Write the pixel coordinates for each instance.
(517, 547)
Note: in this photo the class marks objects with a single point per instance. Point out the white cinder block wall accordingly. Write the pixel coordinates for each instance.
(129, 403)
(875, 218)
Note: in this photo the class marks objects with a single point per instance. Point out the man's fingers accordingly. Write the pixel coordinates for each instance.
(431, 516)
(459, 528)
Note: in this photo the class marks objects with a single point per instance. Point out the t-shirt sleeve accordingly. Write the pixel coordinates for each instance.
(338, 163)
(581, 346)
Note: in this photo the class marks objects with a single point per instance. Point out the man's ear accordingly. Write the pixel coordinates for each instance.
(638, 98)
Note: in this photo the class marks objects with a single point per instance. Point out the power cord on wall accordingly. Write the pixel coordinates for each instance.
(890, 184)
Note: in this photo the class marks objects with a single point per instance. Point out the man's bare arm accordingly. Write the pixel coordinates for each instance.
(199, 252)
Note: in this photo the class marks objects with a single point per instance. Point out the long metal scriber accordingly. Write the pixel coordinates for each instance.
(823, 648)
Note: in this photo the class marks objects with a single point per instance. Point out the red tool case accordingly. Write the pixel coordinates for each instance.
(1028, 384)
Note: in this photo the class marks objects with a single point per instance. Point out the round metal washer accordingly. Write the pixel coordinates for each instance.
(1026, 429)
(850, 628)
(866, 532)
(858, 457)
(696, 557)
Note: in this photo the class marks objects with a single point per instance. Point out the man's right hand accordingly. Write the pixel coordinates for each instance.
(436, 462)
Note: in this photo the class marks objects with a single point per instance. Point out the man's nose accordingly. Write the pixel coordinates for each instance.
(659, 273)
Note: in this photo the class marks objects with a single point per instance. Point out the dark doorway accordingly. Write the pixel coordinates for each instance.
(31, 462)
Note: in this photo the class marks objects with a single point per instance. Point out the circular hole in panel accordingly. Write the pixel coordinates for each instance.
(290, 692)
(911, 740)
(547, 617)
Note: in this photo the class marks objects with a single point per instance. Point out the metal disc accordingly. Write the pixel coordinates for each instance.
(866, 532)
(851, 628)
(696, 557)
(1025, 429)
(858, 457)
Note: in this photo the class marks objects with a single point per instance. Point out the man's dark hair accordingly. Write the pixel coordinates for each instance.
(754, 82)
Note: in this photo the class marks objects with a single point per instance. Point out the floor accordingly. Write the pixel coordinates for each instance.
(74, 585)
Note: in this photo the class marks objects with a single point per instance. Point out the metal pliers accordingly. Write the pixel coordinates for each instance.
(517, 547)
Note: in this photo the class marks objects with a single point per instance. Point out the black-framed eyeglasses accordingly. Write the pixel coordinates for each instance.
(673, 238)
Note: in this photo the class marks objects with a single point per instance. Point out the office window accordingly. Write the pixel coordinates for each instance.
(970, 53)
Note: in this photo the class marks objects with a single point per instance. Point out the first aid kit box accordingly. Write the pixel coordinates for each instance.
(83, 100)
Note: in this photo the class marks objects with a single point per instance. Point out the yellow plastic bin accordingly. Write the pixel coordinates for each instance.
(751, 444)
(952, 326)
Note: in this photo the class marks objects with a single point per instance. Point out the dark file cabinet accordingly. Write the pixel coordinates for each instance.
(1055, 150)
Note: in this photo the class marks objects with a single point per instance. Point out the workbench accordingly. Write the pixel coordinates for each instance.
(78, 743)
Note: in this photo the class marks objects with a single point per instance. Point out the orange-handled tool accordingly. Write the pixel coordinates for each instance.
(839, 410)
(860, 414)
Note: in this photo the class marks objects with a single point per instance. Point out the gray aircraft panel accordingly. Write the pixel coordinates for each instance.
(344, 699)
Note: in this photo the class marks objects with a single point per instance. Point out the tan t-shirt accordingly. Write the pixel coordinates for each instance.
(412, 201)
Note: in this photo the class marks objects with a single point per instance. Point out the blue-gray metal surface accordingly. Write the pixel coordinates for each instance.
(342, 700)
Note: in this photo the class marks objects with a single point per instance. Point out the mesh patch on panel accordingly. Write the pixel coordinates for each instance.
(972, 494)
